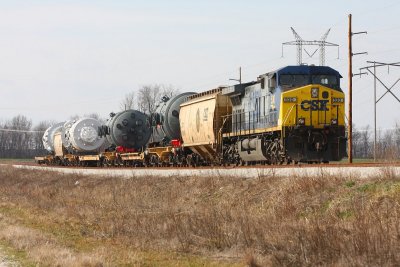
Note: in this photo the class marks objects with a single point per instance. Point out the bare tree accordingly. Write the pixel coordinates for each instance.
(356, 141)
(387, 145)
(365, 142)
(74, 117)
(95, 116)
(16, 137)
(169, 90)
(150, 95)
(128, 102)
(397, 138)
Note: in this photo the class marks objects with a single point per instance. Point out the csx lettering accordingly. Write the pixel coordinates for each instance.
(314, 105)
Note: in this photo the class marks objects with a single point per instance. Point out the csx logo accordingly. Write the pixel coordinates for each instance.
(314, 105)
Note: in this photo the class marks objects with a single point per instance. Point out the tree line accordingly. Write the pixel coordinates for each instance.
(387, 143)
(19, 139)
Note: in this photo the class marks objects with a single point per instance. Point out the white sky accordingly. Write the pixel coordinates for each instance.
(61, 58)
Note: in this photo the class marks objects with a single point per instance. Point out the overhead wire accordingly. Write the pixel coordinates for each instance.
(20, 131)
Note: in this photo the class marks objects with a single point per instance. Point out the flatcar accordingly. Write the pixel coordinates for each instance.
(73, 143)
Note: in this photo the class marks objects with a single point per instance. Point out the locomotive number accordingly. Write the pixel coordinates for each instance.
(337, 100)
(290, 99)
(321, 105)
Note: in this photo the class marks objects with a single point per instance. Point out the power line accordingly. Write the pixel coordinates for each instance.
(20, 131)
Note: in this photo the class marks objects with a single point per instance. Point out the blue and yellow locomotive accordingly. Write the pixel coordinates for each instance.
(295, 114)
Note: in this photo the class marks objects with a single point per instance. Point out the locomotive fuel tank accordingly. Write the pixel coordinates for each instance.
(129, 128)
(48, 136)
(81, 135)
(165, 120)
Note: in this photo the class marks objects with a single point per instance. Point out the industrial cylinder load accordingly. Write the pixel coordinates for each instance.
(129, 129)
(48, 136)
(82, 135)
(165, 120)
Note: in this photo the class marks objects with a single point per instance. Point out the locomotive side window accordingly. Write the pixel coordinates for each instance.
(289, 80)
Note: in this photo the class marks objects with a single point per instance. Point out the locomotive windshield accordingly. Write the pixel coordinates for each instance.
(288, 81)
(296, 80)
(326, 80)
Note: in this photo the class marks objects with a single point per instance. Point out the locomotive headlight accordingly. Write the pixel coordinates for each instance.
(301, 121)
(334, 121)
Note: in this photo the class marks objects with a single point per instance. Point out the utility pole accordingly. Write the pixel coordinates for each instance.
(240, 76)
(350, 115)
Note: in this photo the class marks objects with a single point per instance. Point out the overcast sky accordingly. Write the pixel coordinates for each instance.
(61, 58)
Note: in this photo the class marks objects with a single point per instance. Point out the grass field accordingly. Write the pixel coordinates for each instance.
(49, 219)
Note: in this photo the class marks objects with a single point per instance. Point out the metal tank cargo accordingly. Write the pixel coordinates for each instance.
(81, 136)
(165, 120)
(72, 143)
(128, 129)
(48, 136)
(128, 133)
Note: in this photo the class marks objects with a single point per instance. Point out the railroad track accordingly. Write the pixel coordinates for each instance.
(358, 170)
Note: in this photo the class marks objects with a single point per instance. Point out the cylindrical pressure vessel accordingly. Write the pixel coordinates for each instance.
(165, 120)
(129, 128)
(48, 136)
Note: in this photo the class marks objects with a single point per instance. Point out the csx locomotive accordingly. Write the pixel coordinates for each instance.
(293, 114)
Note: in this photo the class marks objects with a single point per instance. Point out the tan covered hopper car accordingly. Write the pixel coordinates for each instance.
(203, 120)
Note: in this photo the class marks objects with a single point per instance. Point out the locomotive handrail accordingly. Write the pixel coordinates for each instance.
(220, 139)
(284, 121)
(287, 115)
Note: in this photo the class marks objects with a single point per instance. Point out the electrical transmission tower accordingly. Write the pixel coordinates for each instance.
(299, 42)
(388, 89)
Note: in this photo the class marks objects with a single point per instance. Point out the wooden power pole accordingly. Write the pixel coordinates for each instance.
(350, 96)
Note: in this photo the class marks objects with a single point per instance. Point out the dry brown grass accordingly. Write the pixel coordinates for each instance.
(292, 221)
